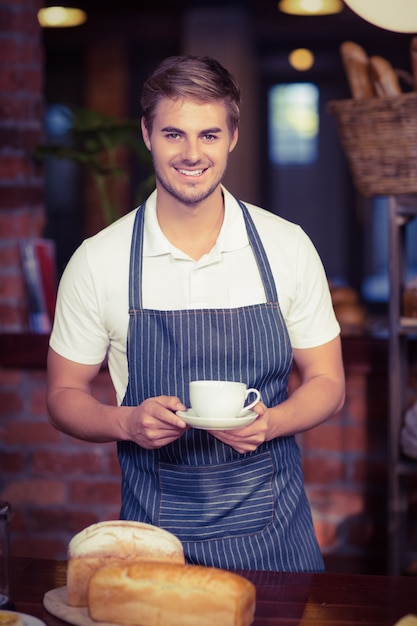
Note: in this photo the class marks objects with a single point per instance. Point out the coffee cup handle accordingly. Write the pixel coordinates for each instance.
(257, 399)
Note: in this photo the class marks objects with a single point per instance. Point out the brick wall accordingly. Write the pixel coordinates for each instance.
(56, 485)
(21, 185)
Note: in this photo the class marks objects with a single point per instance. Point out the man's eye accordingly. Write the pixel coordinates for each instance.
(209, 137)
(172, 135)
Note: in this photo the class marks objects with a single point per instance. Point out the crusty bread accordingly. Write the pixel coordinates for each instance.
(384, 78)
(168, 594)
(10, 618)
(118, 540)
(356, 64)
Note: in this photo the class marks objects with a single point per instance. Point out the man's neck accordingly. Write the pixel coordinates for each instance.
(191, 228)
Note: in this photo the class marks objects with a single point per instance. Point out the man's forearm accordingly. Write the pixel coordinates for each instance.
(78, 413)
(309, 405)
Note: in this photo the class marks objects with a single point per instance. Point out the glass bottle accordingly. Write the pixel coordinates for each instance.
(5, 514)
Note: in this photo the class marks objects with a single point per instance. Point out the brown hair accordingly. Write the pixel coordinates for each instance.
(197, 77)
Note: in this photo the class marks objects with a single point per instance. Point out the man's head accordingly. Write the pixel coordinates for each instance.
(194, 77)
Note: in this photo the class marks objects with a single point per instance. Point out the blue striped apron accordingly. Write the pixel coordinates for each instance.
(230, 510)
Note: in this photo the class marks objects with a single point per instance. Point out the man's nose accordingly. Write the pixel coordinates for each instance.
(192, 151)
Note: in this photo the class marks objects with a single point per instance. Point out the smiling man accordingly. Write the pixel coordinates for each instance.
(196, 284)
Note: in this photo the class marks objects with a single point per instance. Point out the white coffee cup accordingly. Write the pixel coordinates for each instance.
(220, 398)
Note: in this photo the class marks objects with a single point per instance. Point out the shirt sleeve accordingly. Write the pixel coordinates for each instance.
(310, 318)
(79, 333)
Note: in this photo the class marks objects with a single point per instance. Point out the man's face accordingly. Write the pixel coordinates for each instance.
(190, 143)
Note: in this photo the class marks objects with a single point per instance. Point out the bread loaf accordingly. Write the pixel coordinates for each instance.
(105, 542)
(356, 64)
(168, 594)
(10, 618)
(384, 77)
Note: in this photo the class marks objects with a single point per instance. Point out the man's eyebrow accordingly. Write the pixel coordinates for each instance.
(207, 131)
(171, 129)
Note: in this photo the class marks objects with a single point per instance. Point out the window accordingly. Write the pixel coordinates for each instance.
(293, 123)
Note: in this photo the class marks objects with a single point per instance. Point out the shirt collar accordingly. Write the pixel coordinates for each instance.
(232, 236)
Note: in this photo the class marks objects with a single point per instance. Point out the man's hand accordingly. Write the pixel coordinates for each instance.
(154, 424)
(248, 438)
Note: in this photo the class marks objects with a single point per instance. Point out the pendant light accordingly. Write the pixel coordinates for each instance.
(61, 16)
(395, 15)
(310, 7)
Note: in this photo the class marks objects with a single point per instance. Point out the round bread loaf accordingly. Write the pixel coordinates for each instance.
(115, 541)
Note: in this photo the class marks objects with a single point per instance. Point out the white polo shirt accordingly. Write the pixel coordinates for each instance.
(92, 317)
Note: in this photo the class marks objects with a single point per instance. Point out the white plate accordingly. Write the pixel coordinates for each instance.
(245, 418)
(56, 602)
(28, 620)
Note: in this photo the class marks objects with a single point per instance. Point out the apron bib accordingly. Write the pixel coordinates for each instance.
(230, 510)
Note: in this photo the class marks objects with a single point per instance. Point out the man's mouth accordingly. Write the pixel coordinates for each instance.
(191, 173)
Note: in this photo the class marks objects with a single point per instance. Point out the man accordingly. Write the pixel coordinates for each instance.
(200, 285)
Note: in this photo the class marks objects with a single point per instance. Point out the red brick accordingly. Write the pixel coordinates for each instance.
(35, 491)
(22, 223)
(113, 463)
(12, 286)
(30, 433)
(22, 139)
(10, 402)
(327, 436)
(60, 463)
(10, 377)
(38, 546)
(24, 109)
(326, 533)
(16, 196)
(323, 469)
(12, 462)
(18, 522)
(13, 318)
(9, 255)
(61, 519)
(38, 401)
(90, 492)
(340, 503)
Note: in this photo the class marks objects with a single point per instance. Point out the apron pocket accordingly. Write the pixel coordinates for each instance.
(203, 502)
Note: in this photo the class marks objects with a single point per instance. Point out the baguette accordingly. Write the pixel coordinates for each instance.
(168, 594)
(356, 64)
(384, 77)
(105, 542)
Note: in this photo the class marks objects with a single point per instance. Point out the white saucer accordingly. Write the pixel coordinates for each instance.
(243, 419)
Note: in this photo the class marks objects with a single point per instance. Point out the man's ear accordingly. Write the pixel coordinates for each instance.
(234, 140)
(145, 134)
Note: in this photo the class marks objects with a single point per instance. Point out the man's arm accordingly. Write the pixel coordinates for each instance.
(74, 411)
(320, 395)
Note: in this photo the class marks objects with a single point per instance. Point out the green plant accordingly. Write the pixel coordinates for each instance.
(95, 141)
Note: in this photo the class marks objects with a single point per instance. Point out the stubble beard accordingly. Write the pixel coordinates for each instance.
(189, 193)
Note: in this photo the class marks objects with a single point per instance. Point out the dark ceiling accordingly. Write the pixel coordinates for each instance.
(272, 28)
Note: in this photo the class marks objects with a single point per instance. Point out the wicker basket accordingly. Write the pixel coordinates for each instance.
(379, 136)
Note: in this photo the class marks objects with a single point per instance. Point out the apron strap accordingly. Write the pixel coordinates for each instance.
(136, 261)
(260, 256)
